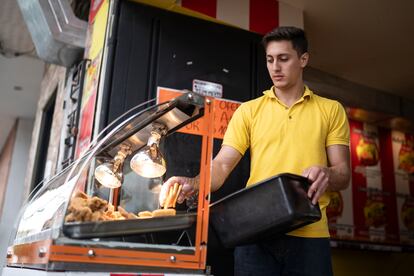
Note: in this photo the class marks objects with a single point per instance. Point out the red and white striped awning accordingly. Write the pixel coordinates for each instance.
(258, 16)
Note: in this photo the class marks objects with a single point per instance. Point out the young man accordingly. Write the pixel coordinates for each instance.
(288, 129)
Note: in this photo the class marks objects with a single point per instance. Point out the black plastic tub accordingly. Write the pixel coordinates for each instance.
(271, 207)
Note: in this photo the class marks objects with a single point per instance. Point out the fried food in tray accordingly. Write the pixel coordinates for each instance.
(83, 208)
(170, 202)
(157, 213)
(92, 217)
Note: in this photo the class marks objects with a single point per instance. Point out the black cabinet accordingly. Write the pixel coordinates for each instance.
(154, 47)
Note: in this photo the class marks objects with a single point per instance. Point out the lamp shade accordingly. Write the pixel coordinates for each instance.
(106, 176)
(149, 162)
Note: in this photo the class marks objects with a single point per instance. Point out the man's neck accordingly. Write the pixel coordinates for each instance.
(290, 95)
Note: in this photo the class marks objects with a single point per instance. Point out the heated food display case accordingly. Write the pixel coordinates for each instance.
(102, 213)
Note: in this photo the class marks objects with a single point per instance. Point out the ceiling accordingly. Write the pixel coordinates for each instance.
(368, 42)
(20, 72)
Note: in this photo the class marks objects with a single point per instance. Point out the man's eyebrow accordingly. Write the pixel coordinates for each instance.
(278, 55)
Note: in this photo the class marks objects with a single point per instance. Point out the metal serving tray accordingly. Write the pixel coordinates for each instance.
(276, 205)
(101, 229)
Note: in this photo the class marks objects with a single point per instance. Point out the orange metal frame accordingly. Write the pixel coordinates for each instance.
(29, 253)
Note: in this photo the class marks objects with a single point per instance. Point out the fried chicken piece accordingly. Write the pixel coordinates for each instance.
(77, 203)
(145, 214)
(105, 217)
(97, 204)
(132, 216)
(163, 213)
(98, 216)
(126, 214)
(117, 216)
(82, 214)
(79, 210)
(122, 211)
(70, 218)
(84, 208)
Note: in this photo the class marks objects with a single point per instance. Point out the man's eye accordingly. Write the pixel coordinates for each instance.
(270, 60)
(283, 59)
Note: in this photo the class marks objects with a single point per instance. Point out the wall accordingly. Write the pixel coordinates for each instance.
(5, 162)
(14, 196)
(6, 124)
(53, 80)
(290, 15)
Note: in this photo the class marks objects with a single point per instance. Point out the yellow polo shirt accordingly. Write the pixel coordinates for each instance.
(283, 139)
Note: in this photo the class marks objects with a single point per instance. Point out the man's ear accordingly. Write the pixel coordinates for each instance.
(304, 60)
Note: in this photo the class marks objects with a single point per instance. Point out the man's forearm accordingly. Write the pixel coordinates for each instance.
(219, 173)
(339, 177)
(222, 165)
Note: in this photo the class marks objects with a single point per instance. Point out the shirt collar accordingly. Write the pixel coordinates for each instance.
(270, 93)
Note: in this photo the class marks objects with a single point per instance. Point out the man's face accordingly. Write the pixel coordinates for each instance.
(283, 63)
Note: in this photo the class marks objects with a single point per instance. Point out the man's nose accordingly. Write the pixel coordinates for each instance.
(275, 66)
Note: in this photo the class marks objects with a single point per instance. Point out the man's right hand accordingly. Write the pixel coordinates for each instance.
(189, 187)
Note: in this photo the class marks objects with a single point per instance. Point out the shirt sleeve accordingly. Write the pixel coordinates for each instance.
(338, 127)
(237, 134)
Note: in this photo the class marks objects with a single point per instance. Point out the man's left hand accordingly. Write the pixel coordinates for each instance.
(319, 177)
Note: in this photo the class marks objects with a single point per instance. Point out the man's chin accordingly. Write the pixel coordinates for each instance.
(280, 85)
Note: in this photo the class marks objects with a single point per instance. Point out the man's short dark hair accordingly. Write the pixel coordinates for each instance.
(295, 35)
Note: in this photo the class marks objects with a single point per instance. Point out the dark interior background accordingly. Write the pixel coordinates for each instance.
(151, 47)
